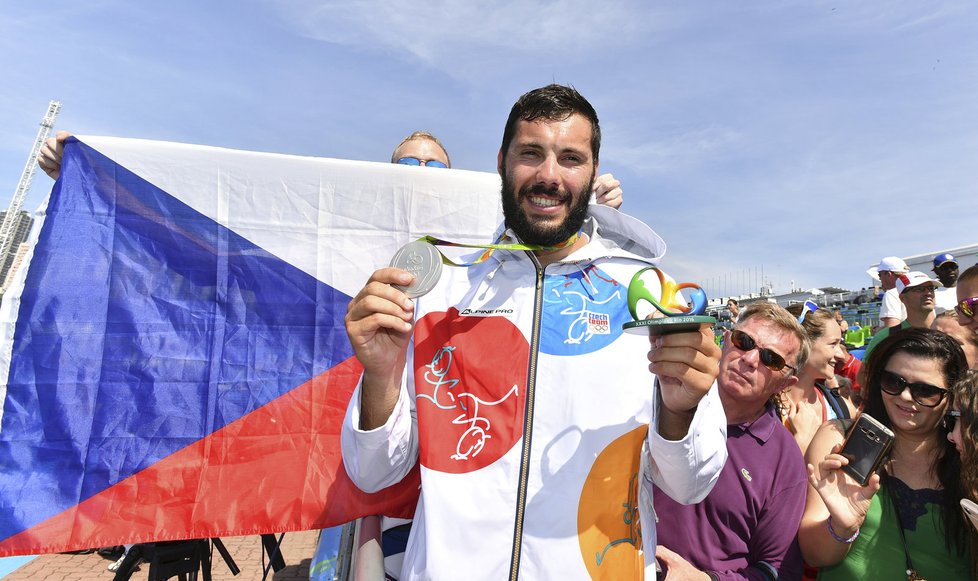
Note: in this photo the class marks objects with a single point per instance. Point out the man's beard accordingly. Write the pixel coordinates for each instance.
(544, 235)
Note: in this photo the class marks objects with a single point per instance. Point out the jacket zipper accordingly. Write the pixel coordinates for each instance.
(514, 570)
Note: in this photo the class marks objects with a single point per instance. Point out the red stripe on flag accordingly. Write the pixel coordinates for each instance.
(276, 469)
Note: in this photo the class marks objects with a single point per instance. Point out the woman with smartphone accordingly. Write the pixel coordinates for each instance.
(905, 522)
(963, 422)
(808, 404)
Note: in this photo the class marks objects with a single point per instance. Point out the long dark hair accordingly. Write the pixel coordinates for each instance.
(926, 344)
(966, 400)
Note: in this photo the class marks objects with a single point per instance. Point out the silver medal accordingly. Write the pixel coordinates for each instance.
(423, 261)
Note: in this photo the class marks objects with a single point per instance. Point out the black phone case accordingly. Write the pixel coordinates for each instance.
(865, 446)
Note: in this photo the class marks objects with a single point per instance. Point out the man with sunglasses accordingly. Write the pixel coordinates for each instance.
(916, 292)
(747, 526)
(421, 148)
(946, 269)
(967, 307)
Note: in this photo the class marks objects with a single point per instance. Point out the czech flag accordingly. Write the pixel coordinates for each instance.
(173, 361)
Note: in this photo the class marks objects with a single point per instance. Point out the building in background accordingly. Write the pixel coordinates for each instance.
(19, 232)
(965, 256)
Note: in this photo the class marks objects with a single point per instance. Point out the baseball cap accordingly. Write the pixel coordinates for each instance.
(912, 279)
(943, 258)
(890, 264)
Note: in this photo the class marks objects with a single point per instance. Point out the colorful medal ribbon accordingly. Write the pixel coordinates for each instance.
(490, 248)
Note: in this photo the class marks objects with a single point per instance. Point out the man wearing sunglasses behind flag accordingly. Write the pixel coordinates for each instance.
(537, 425)
(747, 527)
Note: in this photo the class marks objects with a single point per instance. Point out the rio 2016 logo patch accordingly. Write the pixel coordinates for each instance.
(470, 382)
(582, 313)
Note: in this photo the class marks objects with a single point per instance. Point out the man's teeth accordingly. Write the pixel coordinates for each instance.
(544, 201)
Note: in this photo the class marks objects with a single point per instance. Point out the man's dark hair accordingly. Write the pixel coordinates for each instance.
(553, 103)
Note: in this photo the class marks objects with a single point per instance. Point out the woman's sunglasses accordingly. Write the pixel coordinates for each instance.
(951, 418)
(925, 394)
(416, 161)
(967, 307)
(769, 358)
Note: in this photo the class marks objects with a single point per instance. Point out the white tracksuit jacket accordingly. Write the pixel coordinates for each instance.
(529, 410)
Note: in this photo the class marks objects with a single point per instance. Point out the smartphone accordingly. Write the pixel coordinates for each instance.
(866, 444)
(970, 511)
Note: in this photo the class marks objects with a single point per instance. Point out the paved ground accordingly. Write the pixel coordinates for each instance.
(297, 549)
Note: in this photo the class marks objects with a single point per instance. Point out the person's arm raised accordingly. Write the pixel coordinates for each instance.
(836, 506)
(379, 325)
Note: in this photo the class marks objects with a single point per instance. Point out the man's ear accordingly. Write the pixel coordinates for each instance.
(789, 382)
(499, 162)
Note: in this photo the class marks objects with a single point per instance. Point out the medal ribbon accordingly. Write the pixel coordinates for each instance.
(490, 248)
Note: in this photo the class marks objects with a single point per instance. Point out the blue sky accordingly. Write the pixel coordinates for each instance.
(807, 139)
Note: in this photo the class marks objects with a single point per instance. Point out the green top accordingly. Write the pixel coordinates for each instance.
(882, 334)
(878, 552)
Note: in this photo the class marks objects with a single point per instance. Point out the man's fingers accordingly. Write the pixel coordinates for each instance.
(391, 275)
(604, 183)
(693, 349)
(679, 361)
(380, 285)
(379, 305)
(664, 554)
(612, 198)
(361, 330)
(49, 158)
(372, 304)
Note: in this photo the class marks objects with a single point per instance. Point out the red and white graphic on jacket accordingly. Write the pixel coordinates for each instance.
(470, 380)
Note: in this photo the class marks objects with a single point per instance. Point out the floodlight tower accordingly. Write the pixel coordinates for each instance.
(17, 202)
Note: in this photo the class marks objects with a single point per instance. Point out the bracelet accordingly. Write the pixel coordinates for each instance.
(840, 539)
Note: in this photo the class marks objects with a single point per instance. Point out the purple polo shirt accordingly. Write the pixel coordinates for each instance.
(753, 512)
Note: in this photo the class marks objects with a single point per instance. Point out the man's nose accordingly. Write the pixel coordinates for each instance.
(548, 172)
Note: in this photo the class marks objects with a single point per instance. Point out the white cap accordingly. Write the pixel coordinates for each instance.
(889, 264)
(912, 279)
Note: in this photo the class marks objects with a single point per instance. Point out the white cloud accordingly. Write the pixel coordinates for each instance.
(474, 40)
(683, 151)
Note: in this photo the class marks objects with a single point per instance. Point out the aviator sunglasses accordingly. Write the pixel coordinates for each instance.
(416, 161)
(769, 358)
(925, 394)
(967, 307)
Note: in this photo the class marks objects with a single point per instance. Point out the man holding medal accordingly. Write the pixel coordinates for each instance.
(538, 426)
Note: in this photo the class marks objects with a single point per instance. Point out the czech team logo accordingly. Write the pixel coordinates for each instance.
(583, 312)
(470, 382)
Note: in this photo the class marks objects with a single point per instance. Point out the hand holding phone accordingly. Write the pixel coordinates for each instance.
(971, 511)
(865, 447)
